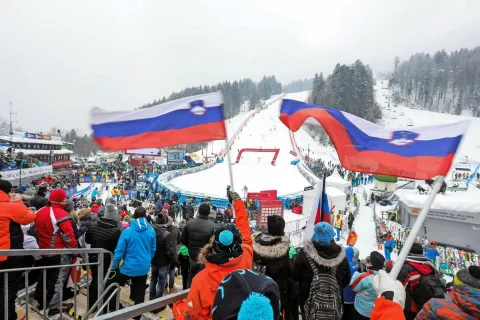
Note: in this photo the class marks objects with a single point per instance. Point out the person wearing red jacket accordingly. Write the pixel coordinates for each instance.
(391, 298)
(55, 231)
(13, 214)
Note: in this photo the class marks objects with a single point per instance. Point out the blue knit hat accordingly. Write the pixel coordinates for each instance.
(324, 233)
(247, 295)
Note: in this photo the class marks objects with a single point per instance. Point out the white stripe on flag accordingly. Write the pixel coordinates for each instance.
(99, 116)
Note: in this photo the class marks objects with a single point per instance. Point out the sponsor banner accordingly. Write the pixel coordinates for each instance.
(464, 217)
(29, 135)
(175, 157)
(46, 137)
(61, 164)
(29, 172)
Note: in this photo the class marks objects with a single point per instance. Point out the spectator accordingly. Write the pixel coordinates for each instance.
(13, 214)
(362, 284)
(321, 259)
(391, 298)
(196, 235)
(247, 295)
(176, 239)
(418, 275)
(348, 293)
(350, 220)
(464, 302)
(271, 257)
(39, 201)
(136, 247)
(229, 249)
(213, 214)
(188, 211)
(184, 260)
(55, 231)
(338, 225)
(164, 256)
(389, 245)
(431, 252)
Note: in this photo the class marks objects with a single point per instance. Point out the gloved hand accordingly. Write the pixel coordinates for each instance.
(391, 289)
(232, 196)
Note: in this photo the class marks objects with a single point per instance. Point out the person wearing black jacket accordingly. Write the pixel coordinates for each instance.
(271, 257)
(176, 239)
(196, 235)
(188, 211)
(164, 256)
(325, 255)
(103, 234)
(39, 201)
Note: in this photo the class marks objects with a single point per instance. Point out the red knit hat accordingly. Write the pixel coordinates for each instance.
(57, 196)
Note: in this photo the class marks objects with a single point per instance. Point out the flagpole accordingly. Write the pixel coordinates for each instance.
(227, 152)
(416, 228)
(322, 196)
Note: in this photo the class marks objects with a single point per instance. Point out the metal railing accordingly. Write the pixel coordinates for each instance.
(73, 252)
(139, 309)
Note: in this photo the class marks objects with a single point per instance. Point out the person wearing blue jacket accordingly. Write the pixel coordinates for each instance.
(348, 293)
(95, 193)
(136, 247)
(389, 245)
(361, 283)
(431, 252)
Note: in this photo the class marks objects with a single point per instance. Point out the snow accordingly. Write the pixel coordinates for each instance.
(254, 170)
(470, 145)
(459, 201)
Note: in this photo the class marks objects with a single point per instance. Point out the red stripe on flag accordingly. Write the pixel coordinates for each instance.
(375, 162)
(160, 139)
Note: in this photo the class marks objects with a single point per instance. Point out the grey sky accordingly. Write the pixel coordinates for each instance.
(60, 58)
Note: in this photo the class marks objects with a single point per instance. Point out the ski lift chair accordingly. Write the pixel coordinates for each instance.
(463, 166)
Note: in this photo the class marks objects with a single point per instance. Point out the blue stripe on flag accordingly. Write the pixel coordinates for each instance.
(178, 119)
(363, 142)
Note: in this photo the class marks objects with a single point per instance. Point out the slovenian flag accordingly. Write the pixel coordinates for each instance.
(418, 153)
(187, 120)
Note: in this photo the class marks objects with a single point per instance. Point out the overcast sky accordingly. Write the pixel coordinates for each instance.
(60, 58)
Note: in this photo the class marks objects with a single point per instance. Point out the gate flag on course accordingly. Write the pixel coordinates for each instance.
(415, 152)
(187, 120)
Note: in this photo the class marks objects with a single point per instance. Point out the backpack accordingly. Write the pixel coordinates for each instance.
(430, 286)
(324, 300)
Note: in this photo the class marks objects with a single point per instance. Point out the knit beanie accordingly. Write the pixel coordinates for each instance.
(69, 205)
(57, 196)
(468, 277)
(111, 200)
(276, 225)
(227, 239)
(161, 219)
(246, 295)
(377, 260)
(323, 233)
(111, 212)
(416, 248)
(204, 209)
(5, 186)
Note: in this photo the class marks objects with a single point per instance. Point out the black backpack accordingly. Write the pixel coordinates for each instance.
(430, 286)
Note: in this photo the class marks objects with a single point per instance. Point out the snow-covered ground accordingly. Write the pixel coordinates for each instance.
(254, 170)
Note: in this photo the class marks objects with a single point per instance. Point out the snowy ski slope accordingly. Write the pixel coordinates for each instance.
(254, 170)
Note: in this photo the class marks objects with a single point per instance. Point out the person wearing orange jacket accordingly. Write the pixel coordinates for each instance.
(13, 214)
(230, 248)
(391, 298)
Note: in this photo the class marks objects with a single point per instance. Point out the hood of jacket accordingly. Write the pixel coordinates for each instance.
(468, 299)
(270, 247)
(139, 225)
(329, 255)
(422, 264)
(349, 253)
(4, 197)
(107, 223)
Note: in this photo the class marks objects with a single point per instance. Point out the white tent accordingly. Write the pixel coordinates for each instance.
(336, 181)
(336, 198)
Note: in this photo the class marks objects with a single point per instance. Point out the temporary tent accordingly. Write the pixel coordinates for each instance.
(337, 198)
(336, 181)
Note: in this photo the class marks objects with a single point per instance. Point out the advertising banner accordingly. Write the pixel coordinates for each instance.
(175, 157)
(30, 172)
